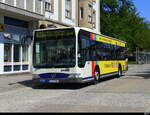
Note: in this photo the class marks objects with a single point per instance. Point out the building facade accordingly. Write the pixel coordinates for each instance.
(89, 14)
(66, 13)
(60, 13)
(18, 19)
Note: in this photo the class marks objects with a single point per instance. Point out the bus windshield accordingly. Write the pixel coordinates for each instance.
(54, 48)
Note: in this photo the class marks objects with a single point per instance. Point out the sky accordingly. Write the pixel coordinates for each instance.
(143, 7)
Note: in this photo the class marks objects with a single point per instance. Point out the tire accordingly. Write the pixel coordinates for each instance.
(96, 76)
(119, 71)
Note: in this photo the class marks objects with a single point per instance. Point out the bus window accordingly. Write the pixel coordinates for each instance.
(54, 49)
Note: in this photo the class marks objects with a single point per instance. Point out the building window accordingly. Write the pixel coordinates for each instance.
(49, 5)
(68, 9)
(94, 19)
(90, 14)
(7, 52)
(81, 13)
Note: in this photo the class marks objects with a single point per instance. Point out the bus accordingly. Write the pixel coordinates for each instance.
(76, 55)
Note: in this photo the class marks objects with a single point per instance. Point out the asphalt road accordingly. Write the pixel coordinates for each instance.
(130, 93)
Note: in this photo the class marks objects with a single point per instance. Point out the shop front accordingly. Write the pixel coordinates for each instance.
(15, 44)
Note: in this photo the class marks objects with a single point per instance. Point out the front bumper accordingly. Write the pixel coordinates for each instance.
(49, 80)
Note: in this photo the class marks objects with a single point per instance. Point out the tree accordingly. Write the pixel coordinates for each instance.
(120, 19)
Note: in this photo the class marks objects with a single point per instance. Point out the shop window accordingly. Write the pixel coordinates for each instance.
(16, 53)
(25, 53)
(7, 68)
(16, 37)
(17, 67)
(7, 52)
(25, 67)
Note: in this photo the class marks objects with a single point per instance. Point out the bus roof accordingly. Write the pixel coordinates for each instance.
(83, 28)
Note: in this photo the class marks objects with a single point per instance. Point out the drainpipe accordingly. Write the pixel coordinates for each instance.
(98, 15)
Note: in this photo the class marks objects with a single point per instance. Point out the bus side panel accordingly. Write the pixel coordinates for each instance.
(111, 67)
(93, 67)
(87, 73)
(108, 67)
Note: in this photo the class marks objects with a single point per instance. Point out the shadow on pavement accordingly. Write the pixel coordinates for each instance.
(27, 83)
(71, 86)
(145, 76)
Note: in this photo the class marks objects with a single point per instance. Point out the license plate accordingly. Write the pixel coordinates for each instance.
(42, 81)
(53, 81)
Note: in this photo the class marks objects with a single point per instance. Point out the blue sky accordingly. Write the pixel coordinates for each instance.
(143, 7)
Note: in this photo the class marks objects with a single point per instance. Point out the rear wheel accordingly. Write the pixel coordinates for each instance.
(119, 71)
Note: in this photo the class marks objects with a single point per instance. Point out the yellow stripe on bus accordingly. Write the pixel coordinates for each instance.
(109, 41)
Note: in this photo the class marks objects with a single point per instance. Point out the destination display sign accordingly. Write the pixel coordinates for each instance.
(54, 33)
(110, 41)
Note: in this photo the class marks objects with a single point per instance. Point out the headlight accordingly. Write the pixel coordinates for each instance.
(74, 75)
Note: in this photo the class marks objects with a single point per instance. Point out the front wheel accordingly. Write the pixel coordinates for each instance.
(96, 76)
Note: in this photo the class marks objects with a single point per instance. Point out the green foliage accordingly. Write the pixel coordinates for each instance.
(119, 19)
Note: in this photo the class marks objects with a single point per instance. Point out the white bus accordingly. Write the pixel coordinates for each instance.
(76, 55)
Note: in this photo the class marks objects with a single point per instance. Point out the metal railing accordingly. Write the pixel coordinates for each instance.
(142, 57)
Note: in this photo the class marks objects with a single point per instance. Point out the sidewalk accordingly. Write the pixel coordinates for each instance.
(10, 82)
(16, 80)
